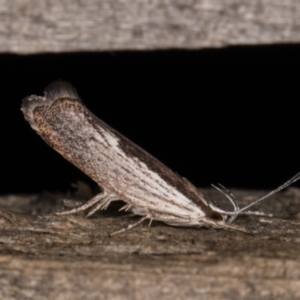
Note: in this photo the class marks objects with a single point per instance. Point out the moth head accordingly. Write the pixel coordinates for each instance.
(230, 216)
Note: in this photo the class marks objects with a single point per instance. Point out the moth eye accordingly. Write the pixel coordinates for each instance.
(216, 216)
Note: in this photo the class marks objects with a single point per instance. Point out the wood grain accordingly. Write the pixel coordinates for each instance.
(43, 256)
(36, 26)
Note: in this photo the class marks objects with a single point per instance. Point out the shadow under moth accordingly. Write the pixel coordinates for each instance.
(122, 169)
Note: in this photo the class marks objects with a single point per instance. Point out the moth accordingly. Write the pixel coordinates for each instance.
(122, 169)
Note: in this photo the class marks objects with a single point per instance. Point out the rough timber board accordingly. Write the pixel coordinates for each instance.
(36, 26)
(49, 257)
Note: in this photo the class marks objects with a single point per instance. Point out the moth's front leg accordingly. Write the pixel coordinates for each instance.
(101, 201)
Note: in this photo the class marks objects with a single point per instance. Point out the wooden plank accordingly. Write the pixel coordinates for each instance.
(37, 26)
(43, 256)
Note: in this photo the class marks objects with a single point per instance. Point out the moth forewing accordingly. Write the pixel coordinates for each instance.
(124, 170)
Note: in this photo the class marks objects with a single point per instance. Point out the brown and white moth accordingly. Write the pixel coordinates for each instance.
(123, 170)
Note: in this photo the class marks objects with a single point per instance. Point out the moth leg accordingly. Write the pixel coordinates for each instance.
(126, 207)
(71, 203)
(257, 213)
(103, 204)
(221, 224)
(130, 226)
(98, 198)
(150, 222)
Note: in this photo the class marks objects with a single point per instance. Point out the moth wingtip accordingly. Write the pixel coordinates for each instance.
(56, 90)
(28, 105)
(30, 101)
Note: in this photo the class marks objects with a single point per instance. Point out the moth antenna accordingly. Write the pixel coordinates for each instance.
(227, 194)
(230, 197)
(281, 187)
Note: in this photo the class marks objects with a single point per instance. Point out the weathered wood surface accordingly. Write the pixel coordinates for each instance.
(35, 26)
(43, 256)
